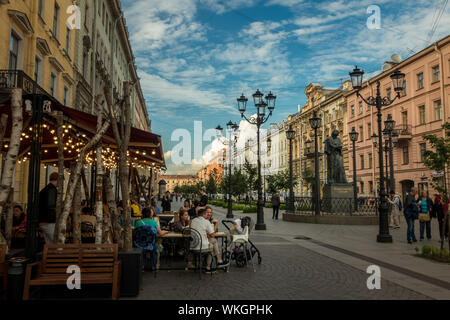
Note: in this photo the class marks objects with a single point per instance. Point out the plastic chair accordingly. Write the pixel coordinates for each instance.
(241, 240)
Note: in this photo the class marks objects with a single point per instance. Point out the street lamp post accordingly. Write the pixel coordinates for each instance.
(389, 125)
(315, 123)
(397, 78)
(386, 153)
(233, 131)
(261, 118)
(290, 134)
(353, 138)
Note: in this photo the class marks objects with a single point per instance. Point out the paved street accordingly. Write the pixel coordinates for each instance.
(305, 269)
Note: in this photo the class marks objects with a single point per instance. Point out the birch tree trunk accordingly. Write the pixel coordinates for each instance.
(76, 221)
(98, 183)
(3, 124)
(60, 184)
(74, 178)
(122, 139)
(13, 151)
(85, 186)
(114, 214)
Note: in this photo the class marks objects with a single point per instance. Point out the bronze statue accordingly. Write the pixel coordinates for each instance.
(335, 162)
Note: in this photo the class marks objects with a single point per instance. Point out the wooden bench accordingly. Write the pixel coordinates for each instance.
(99, 264)
(3, 270)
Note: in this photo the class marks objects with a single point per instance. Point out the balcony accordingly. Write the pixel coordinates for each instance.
(13, 79)
(404, 132)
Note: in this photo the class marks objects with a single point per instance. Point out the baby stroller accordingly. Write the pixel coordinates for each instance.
(240, 251)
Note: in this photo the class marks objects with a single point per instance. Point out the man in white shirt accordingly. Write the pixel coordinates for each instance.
(206, 230)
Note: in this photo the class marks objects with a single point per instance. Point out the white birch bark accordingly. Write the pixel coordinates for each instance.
(60, 184)
(76, 221)
(74, 178)
(13, 150)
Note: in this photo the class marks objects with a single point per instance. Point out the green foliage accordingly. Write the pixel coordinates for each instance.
(268, 205)
(238, 184)
(304, 208)
(282, 207)
(251, 176)
(250, 209)
(238, 207)
(426, 250)
(439, 158)
(211, 185)
(308, 177)
(280, 181)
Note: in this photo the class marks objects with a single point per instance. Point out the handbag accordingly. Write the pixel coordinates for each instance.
(424, 217)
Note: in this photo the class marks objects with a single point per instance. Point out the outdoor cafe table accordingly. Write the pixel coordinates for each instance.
(172, 237)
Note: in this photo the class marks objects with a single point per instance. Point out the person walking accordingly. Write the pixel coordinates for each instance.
(276, 205)
(425, 205)
(47, 208)
(165, 203)
(411, 214)
(395, 202)
(438, 211)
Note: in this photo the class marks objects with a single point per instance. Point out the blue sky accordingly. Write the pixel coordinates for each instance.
(195, 57)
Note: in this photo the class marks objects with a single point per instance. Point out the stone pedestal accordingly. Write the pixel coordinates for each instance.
(338, 198)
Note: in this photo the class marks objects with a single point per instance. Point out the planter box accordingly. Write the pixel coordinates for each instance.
(130, 283)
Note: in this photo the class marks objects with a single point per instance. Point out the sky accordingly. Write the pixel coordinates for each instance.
(196, 57)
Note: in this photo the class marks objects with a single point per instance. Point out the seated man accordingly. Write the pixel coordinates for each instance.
(206, 230)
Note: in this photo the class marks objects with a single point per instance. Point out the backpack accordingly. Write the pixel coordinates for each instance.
(146, 239)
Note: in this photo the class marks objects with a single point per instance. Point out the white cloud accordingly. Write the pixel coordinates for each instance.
(285, 3)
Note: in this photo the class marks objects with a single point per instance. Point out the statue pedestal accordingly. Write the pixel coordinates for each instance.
(338, 198)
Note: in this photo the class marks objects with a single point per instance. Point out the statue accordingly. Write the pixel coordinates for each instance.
(335, 162)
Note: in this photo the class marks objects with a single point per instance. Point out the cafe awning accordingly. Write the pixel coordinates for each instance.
(145, 148)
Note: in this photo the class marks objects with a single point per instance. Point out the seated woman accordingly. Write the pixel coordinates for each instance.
(148, 218)
(186, 206)
(19, 220)
(184, 221)
(155, 207)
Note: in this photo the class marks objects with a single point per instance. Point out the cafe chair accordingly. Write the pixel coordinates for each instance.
(195, 241)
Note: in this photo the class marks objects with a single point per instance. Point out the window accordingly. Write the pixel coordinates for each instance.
(405, 119)
(53, 84)
(370, 161)
(68, 41)
(422, 119)
(40, 7)
(438, 110)
(66, 96)
(85, 64)
(361, 158)
(423, 148)
(436, 74)
(370, 186)
(420, 81)
(361, 133)
(86, 16)
(362, 187)
(13, 51)
(352, 110)
(404, 89)
(369, 130)
(38, 70)
(389, 93)
(405, 155)
(360, 107)
(55, 21)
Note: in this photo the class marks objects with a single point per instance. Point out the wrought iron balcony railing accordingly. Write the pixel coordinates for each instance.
(10, 79)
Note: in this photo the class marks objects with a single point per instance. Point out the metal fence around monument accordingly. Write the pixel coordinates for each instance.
(336, 206)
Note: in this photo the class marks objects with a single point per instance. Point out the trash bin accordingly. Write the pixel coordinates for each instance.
(16, 277)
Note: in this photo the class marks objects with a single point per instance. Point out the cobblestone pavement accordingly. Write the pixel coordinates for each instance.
(288, 271)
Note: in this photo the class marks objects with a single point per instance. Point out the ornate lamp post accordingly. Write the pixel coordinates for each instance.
(233, 131)
(353, 138)
(315, 123)
(389, 125)
(269, 148)
(397, 78)
(290, 135)
(261, 104)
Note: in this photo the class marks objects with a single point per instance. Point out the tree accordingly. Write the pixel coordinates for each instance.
(211, 186)
(439, 160)
(280, 181)
(251, 176)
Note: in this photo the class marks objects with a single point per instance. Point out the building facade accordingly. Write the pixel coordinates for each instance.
(215, 169)
(178, 180)
(330, 106)
(42, 50)
(421, 110)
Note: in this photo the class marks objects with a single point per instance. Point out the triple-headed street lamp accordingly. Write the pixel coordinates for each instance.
(316, 123)
(353, 138)
(261, 103)
(233, 133)
(397, 78)
(290, 135)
